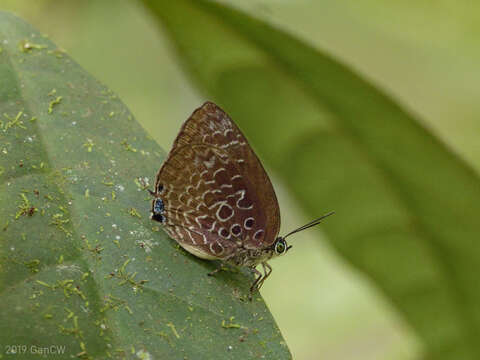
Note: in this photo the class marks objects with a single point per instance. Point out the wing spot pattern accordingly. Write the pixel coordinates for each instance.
(248, 223)
(197, 219)
(179, 233)
(210, 162)
(205, 194)
(241, 198)
(224, 233)
(225, 212)
(216, 248)
(191, 237)
(218, 203)
(212, 228)
(231, 143)
(258, 234)
(186, 216)
(235, 229)
(218, 170)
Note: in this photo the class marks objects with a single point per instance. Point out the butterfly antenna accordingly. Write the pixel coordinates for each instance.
(310, 224)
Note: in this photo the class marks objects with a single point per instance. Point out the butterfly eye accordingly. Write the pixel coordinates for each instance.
(280, 246)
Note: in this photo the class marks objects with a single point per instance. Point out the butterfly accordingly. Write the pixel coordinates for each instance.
(213, 196)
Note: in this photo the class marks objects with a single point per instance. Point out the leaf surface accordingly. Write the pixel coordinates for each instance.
(81, 264)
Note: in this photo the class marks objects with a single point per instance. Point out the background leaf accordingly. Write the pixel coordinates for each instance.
(406, 206)
(81, 265)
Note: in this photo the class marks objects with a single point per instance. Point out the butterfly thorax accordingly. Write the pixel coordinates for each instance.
(250, 257)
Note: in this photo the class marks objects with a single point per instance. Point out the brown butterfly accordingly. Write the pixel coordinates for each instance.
(213, 196)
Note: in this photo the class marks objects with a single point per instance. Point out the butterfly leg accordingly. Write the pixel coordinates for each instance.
(257, 284)
(220, 267)
(267, 270)
(254, 287)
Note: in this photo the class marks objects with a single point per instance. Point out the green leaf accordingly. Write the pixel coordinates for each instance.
(406, 206)
(81, 264)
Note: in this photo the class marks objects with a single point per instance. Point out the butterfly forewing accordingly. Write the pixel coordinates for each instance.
(216, 194)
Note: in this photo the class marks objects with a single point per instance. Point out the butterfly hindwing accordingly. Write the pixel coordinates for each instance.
(217, 195)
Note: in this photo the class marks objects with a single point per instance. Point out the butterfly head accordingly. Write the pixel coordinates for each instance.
(280, 246)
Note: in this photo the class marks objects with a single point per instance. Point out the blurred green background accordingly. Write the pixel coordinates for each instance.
(424, 54)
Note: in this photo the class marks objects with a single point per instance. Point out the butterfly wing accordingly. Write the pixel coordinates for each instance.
(217, 195)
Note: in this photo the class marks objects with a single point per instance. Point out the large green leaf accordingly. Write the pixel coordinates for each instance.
(81, 264)
(407, 207)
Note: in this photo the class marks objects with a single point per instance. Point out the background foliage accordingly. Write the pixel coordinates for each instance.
(424, 56)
